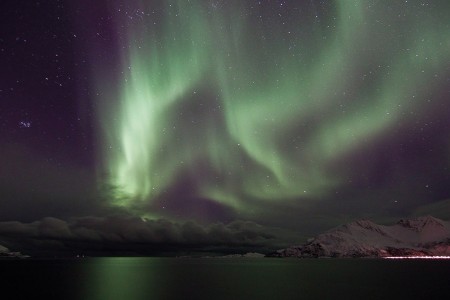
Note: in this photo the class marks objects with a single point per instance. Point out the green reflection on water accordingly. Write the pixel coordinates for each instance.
(262, 279)
(122, 279)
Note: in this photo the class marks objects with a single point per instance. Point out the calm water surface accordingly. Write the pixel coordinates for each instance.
(218, 278)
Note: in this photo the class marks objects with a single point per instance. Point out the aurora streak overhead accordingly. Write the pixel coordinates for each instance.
(250, 103)
(198, 127)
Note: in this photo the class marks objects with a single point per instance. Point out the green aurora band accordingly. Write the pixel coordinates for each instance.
(251, 107)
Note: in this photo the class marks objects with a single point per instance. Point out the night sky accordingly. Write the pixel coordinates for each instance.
(213, 124)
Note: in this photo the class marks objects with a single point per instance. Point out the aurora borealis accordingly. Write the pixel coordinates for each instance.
(256, 101)
(247, 120)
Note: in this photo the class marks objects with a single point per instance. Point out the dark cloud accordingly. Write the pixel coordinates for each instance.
(133, 235)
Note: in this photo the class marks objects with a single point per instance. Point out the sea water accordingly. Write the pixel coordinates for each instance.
(224, 278)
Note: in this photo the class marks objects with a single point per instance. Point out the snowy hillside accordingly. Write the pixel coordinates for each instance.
(6, 253)
(421, 236)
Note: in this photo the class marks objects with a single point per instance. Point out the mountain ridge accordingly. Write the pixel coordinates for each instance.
(422, 236)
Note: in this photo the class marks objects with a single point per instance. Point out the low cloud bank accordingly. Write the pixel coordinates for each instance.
(132, 235)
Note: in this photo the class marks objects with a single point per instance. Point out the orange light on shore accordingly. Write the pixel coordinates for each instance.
(417, 257)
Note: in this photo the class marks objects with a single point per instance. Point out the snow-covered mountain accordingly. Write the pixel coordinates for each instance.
(6, 253)
(408, 237)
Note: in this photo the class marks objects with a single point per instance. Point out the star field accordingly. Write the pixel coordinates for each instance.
(298, 114)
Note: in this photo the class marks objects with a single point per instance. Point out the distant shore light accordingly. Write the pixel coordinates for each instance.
(417, 257)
